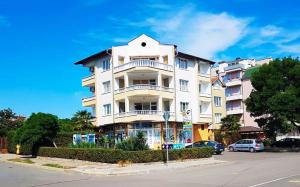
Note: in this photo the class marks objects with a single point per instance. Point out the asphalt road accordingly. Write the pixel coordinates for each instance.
(242, 169)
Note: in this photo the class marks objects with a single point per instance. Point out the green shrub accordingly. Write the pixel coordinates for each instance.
(63, 139)
(83, 145)
(136, 143)
(116, 155)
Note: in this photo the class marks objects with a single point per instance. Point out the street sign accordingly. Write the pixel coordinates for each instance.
(166, 116)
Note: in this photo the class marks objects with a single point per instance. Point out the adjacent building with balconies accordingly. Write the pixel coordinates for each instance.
(133, 85)
(238, 88)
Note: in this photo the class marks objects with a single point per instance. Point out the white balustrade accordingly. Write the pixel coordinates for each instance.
(143, 63)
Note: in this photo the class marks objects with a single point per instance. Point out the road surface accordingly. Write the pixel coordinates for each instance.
(241, 169)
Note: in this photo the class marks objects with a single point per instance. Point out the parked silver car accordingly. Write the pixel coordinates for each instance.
(251, 145)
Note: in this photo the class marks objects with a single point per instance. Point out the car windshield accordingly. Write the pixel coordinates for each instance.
(258, 141)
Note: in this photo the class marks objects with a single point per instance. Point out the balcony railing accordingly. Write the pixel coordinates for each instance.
(205, 115)
(88, 78)
(87, 99)
(144, 87)
(141, 112)
(237, 66)
(233, 108)
(143, 63)
(205, 94)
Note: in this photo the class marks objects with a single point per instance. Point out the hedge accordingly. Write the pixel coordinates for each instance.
(115, 155)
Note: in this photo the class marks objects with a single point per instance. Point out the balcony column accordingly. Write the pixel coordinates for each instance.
(159, 83)
(126, 104)
(160, 103)
(126, 80)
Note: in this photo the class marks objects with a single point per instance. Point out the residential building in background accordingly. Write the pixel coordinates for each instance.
(133, 85)
(218, 101)
(235, 75)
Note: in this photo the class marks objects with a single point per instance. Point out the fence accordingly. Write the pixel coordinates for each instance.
(3, 145)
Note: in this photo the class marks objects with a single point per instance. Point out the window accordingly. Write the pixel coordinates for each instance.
(217, 101)
(107, 109)
(121, 60)
(183, 64)
(106, 65)
(183, 85)
(184, 106)
(218, 117)
(165, 59)
(106, 87)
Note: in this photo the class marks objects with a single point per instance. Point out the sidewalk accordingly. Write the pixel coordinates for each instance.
(108, 169)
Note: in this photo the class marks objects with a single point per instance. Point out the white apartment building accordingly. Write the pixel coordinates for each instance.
(132, 85)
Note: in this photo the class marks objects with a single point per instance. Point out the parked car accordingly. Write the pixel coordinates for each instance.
(251, 145)
(287, 142)
(219, 148)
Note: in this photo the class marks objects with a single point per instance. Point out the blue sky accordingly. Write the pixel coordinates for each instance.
(41, 39)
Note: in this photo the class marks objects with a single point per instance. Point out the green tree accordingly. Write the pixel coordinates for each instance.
(231, 126)
(275, 101)
(39, 129)
(82, 119)
(9, 121)
(66, 125)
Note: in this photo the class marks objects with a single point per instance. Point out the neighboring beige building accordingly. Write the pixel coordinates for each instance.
(218, 101)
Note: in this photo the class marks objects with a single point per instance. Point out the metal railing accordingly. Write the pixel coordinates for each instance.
(143, 87)
(143, 63)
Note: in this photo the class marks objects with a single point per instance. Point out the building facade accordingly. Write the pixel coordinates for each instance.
(134, 84)
(236, 76)
(218, 101)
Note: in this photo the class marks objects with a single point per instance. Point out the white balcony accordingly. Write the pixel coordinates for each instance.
(205, 94)
(143, 63)
(234, 110)
(89, 81)
(89, 101)
(235, 67)
(234, 82)
(143, 87)
(237, 96)
(137, 115)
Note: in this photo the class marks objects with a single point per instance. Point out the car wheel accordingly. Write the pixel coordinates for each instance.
(218, 152)
(231, 149)
(252, 150)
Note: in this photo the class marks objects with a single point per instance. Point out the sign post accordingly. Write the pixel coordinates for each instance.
(167, 117)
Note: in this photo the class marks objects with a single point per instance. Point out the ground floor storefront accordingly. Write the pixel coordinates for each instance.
(155, 133)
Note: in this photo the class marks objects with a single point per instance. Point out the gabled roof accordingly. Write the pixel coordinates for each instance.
(94, 57)
(215, 79)
(191, 57)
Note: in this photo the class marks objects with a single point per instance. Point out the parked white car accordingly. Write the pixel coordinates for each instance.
(251, 145)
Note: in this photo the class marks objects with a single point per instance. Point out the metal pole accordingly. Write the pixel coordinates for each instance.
(192, 128)
(167, 135)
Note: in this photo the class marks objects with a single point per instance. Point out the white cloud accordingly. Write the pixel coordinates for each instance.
(4, 22)
(195, 32)
(270, 30)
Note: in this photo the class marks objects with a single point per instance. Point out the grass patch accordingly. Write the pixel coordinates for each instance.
(57, 166)
(27, 161)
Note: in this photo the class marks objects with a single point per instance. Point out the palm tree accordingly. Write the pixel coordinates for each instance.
(82, 119)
